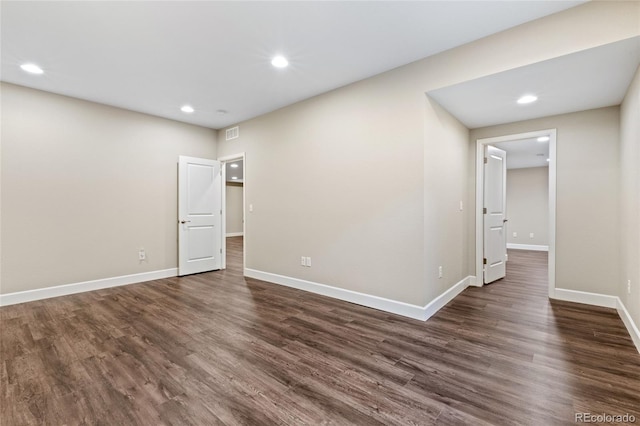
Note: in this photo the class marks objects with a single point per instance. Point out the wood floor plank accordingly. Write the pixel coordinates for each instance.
(220, 349)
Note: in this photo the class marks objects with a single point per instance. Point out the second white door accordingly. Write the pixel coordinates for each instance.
(495, 201)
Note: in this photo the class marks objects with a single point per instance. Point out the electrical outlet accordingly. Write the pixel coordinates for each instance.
(142, 255)
(628, 286)
(308, 262)
(303, 261)
(515, 235)
(531, 235)
(439, 271)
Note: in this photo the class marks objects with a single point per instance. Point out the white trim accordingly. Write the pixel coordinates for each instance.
(474, 282)
(604, 301)
(632, 328)
(551, 257)
(439, 302)
(533, 247)
(576, 296)
(393, 306)
(81, 287)
(480, 143)
(235, 234)
(234, 157)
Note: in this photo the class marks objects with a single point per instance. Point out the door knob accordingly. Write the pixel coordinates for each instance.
(184, 221)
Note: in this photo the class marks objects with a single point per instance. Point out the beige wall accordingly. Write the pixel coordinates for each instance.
(234, 212)
(322, 178)
(587, 231)
(630, 197)
(84, 186)
(528, 205)
(445, 185)
(348, 149)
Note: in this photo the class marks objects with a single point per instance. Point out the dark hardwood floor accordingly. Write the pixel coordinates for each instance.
(217, 348)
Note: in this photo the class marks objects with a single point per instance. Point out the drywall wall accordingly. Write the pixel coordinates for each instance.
(85, 186)
(445, 187)
(234, 206)
(587, 231)
(528, 206)
(349, 148)
(322, 183)
(630, 199)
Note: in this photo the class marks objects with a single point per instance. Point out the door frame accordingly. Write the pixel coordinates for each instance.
(224, 160)
(480, 143)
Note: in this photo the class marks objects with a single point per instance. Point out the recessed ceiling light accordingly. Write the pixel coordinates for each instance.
(187, 108)
(543, 139)
(234, 165)
(31, 68)
(279, 62)
(234, 177)
(527, 99)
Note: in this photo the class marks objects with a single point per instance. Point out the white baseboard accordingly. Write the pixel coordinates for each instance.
(527, 247)
(439, 302)
(632, 328)
(595, 299)
(63, 290)
(474, 281)
(400, 308)
(235, 234)
(604, 301)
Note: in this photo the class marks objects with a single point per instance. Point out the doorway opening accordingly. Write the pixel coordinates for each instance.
(522, 146)
(233, 209)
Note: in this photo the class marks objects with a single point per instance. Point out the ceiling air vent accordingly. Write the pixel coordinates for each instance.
(233, 133)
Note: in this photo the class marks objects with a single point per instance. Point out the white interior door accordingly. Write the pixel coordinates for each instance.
(199, 215)
(495, 235)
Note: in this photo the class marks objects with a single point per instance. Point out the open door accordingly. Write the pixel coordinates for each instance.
(495, 235)
(199, 215)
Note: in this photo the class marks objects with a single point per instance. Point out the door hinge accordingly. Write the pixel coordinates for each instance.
(485, 160)
(484, 261)
(484, 210)
(220, 211)
(220, 251)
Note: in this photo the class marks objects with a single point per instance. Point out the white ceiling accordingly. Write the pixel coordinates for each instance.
(525, 153)
(237, 172)
(589, 79)
(154, 57)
